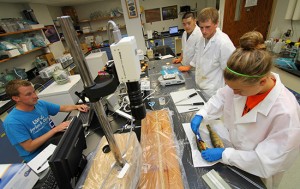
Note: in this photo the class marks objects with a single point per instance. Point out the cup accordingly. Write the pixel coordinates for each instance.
(162, 101)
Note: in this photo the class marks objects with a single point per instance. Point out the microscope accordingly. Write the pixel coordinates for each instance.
(125, 68)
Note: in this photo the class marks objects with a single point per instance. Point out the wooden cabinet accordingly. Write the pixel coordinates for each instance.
(20, 32)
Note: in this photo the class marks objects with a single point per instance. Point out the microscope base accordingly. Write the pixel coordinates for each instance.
(103, 173)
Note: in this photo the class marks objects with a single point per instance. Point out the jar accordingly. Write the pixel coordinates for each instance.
(149, 53)
(61, 76)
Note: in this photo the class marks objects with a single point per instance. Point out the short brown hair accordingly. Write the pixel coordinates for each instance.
(249, 59)
(13, 86)
(208, 13)
(188, 15)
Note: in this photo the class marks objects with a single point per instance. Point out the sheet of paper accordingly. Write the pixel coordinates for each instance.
(217, 125)
(3, 169)
(40, 162)
(2, 103)
(166, 56)
(176, 96)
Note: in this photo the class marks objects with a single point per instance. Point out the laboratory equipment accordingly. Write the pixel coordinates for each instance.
(92, 90)
(48, 71)
(96, 62)
(128, 69)
(170, 75)
(61, 76)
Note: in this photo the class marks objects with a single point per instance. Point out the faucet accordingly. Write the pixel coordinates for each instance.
(116, 32)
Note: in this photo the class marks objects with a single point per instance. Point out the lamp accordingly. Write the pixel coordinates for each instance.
(293, 10)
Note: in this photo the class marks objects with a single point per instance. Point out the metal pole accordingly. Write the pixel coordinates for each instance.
(80, 62)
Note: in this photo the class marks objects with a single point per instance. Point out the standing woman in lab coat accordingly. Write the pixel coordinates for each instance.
(260, 113)
(190, 41)
(215, 48)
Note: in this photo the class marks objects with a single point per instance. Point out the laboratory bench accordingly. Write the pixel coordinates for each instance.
(235, 177)
(165, 39)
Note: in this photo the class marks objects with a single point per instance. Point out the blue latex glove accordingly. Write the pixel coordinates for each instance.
(195, 123)
(212, 154)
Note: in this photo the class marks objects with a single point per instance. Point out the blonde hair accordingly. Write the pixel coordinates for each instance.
(207, 14)
(12, 87)
(250, 62)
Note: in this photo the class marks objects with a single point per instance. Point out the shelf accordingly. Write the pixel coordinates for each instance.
(28, 52)
(123, 27)
(100, 19)
(18, 32)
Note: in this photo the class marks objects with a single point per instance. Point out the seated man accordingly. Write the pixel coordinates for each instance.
(28, 126)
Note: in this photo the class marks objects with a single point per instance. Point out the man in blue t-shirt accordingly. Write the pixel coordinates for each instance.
(28, 126)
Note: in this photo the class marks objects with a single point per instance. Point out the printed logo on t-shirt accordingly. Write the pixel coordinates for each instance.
(39, 124)
(51, 123)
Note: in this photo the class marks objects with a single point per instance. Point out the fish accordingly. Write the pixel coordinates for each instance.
(214, 137)
(200, 144)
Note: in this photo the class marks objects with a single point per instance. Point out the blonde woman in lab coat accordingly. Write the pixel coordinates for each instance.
(260, 113)
(215, 47)
(190, 40)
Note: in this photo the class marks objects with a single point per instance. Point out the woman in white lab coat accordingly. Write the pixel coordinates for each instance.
(260, 113)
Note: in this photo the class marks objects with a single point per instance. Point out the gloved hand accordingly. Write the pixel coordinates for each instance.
(184, 68)
(212, 154)
(176, 60)
(195, 123)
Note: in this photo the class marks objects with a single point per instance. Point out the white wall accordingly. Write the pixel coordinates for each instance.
(134, 27)
(10, 10)
(43, 16)
(54, 12)
(283, 25)
(164, 25)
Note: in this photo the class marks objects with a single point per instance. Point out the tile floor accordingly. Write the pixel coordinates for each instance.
(291, 179)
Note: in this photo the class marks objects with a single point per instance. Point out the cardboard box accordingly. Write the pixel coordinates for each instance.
(84, 47)
(49, 58)
(13, 52)
(36, 26)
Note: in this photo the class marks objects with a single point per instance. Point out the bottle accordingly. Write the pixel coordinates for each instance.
(149, 53)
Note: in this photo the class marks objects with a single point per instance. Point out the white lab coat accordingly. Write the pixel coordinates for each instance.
(211, 61)
(190, 46)
(266, 139)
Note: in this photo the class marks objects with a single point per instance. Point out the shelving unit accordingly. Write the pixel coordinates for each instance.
(20, 32)
(100, 19)
(28, 52)
(101, 30)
